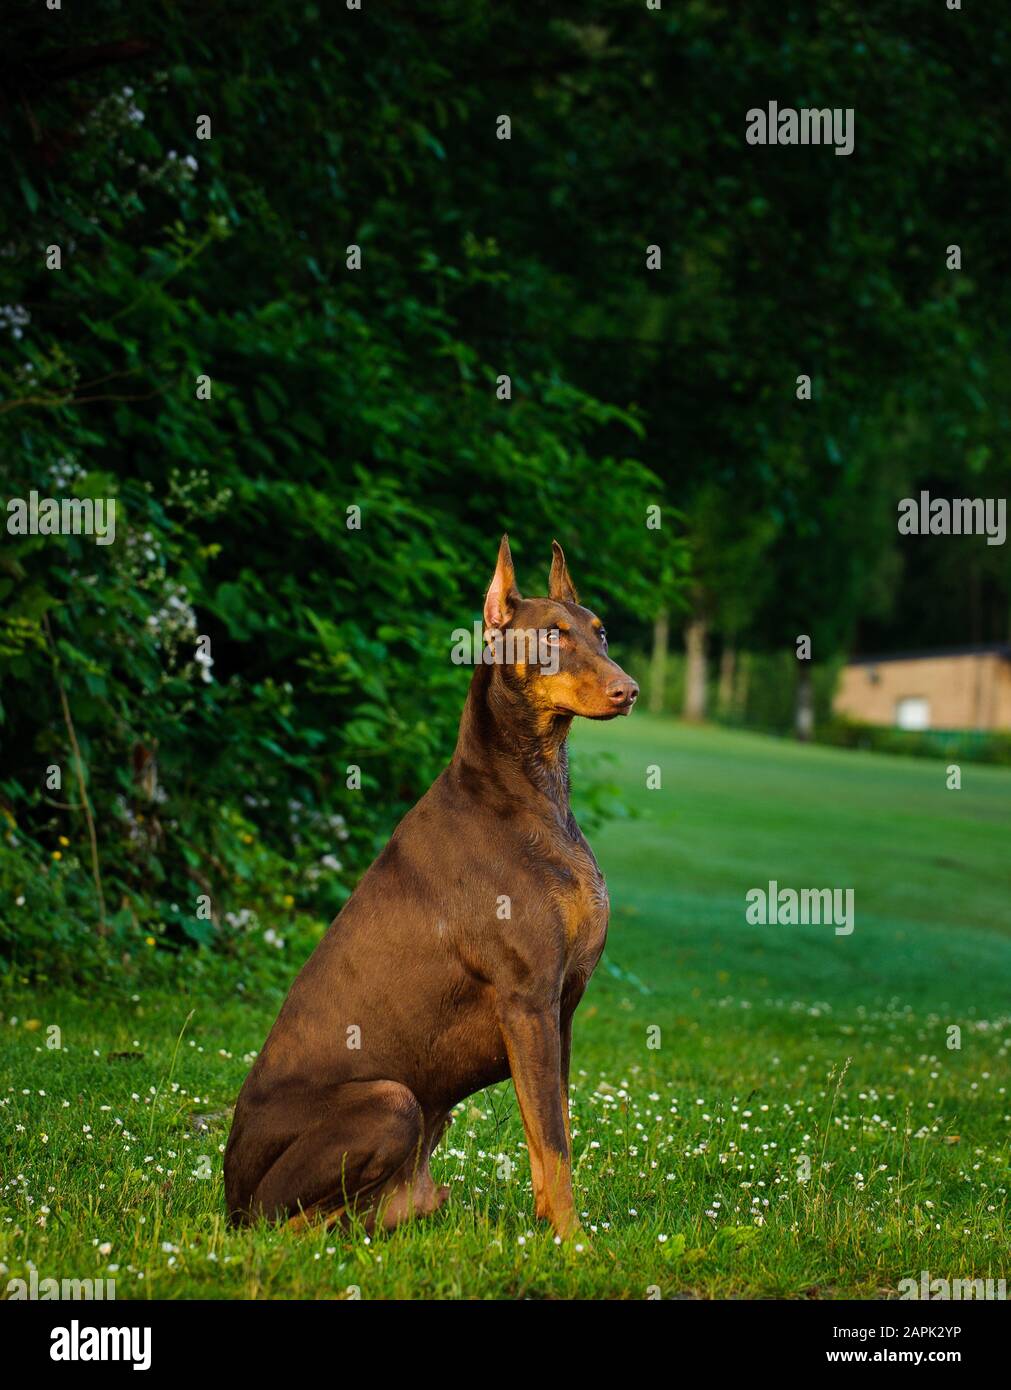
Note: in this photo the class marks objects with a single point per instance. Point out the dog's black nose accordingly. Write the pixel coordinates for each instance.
(623, 691)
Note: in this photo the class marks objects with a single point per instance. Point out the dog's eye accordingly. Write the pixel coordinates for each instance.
(603, 635)
(552, 637)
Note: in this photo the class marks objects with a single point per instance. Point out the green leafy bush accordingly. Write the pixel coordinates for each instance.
(205, 359)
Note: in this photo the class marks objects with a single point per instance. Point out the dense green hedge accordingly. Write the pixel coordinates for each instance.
(330, 389)
(943, 745)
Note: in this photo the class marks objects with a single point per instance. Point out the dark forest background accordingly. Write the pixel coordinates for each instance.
(330, 387)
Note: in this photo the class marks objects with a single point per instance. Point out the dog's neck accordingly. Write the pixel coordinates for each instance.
(511, 743)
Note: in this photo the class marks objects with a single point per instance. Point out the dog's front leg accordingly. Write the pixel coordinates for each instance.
(566, 1056)
(534, 1047)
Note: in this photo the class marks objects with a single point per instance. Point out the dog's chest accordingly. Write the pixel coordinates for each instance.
(579, 893)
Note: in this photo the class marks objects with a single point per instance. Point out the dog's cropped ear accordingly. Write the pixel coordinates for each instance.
(560, 586)
(503, 595)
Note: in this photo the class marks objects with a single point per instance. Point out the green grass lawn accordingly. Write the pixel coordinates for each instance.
(775, 1044)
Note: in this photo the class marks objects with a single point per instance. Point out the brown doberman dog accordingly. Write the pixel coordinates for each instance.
(458, 960)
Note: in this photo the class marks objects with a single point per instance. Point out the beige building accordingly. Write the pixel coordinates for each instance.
(961, 688)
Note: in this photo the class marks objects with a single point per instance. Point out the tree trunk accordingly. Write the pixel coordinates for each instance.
(695, 669)
(743, 682)
(804, 710)
(658, 665)
(728, 666)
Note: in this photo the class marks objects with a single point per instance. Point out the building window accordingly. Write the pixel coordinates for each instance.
(913, 712)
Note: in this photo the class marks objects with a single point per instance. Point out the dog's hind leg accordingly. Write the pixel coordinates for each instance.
(415, 1193)
(363, 1149)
